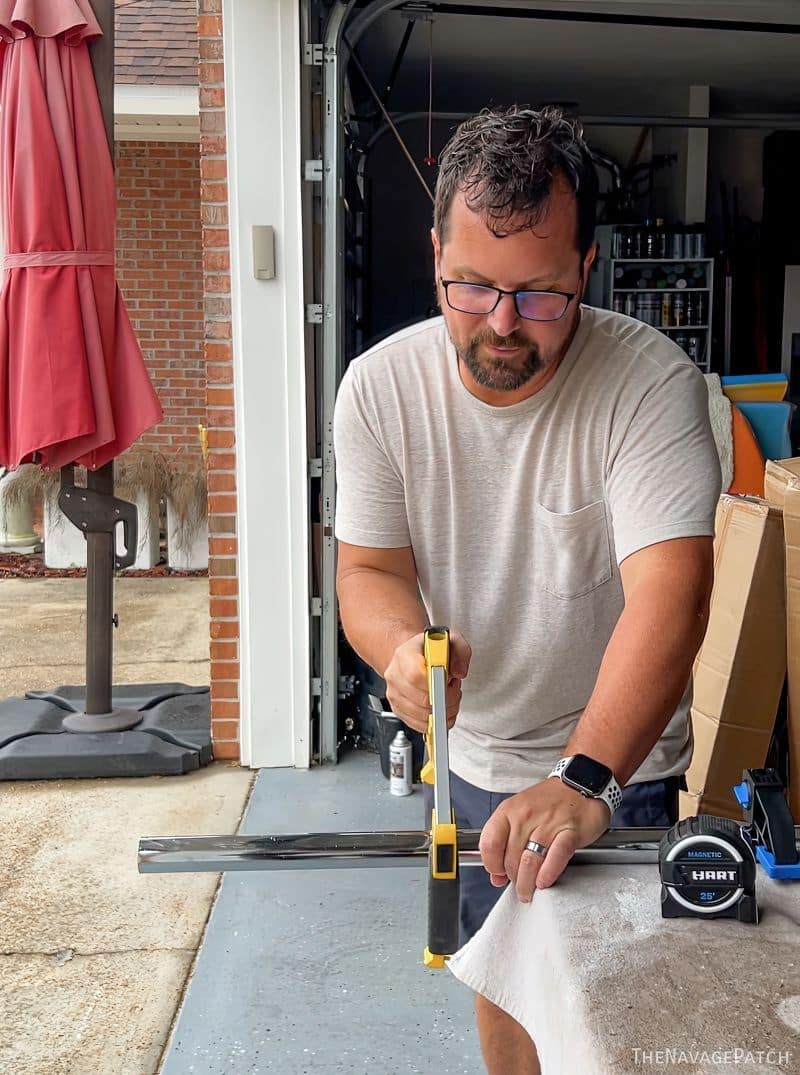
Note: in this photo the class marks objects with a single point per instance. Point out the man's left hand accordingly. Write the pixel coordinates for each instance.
(551, 814)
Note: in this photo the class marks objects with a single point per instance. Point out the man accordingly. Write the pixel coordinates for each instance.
(543, 476)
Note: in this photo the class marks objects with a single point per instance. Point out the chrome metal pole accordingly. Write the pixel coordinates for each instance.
(348, 850)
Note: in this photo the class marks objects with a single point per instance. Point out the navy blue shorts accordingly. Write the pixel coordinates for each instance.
(653, 802)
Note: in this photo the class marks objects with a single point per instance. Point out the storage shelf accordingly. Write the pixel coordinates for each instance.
(632, 265)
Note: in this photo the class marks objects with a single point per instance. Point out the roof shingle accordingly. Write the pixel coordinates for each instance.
(156, 42)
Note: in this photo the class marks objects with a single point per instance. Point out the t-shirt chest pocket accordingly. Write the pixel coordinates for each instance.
(573, 551)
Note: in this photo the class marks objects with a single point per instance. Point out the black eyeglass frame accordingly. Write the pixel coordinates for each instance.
(568, 295)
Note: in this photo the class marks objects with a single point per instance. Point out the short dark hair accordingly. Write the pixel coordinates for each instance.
(504, 161)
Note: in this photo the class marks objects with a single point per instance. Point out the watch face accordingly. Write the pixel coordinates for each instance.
(588, 774)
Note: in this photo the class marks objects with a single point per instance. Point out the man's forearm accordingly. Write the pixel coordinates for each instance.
(379, 612)
(645, 670)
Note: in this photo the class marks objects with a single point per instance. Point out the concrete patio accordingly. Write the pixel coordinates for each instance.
(94, 958)
(162, 633)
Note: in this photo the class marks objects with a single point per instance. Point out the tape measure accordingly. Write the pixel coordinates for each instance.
(708, 870)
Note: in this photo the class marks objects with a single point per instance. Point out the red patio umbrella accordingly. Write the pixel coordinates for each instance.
(73, 386)
(73, 383)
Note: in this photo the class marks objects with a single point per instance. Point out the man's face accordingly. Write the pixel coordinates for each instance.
(502, 351)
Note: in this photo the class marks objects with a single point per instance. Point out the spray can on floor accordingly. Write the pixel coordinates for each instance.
(400, 765)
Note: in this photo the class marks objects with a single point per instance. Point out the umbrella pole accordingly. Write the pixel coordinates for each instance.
(100, 546)
(100, 714)
(99, 603)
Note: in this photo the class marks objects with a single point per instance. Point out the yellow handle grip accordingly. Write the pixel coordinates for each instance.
(437, 655)
(437, 651)
(427, 773)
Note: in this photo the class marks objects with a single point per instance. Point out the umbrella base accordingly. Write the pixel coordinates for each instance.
(118, 720)
(173, 736)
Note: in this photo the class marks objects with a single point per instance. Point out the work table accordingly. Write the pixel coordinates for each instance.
(605, 985)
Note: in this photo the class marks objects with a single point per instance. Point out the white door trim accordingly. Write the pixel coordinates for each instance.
(262, 104)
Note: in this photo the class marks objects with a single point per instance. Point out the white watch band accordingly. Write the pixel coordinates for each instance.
(611, 796)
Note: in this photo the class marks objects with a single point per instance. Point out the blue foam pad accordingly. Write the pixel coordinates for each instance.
(753, 378)
(770, 423)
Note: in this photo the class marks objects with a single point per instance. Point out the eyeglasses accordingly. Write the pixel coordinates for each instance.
(483, 299)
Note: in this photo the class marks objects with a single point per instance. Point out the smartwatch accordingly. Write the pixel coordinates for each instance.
(591, 778)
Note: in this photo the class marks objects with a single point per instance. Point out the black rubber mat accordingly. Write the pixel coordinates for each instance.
(174, 736)
(126, 696)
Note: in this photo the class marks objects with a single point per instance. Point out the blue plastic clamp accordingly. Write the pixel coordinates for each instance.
(789, 872)
(742, 795)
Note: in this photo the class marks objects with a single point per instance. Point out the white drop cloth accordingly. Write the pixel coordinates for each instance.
(516, 960)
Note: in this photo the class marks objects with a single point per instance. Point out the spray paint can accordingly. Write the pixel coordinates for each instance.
(693, 345)
(400, 765)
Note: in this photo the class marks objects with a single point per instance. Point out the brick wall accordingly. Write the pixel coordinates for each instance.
(223, 544)
(159, 266)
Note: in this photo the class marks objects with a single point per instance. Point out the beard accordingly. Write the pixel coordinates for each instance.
(492, 371)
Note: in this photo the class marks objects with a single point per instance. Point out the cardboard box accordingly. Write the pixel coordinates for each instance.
(782, 486)
(778, 474)
(690, 805)
(791, 529)
(740, 669)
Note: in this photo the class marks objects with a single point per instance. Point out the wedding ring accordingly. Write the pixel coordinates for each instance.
(535, 847)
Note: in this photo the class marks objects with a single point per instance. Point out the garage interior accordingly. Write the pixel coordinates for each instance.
(631, 83)
(693, 115)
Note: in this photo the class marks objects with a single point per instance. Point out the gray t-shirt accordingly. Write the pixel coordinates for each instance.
(519, 516)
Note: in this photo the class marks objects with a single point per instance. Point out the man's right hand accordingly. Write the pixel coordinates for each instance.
(407, 680)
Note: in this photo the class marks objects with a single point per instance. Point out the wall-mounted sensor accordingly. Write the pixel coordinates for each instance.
(263, 252)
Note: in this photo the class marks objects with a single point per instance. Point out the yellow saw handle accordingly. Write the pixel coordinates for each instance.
(437, 654)
(443, 879)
